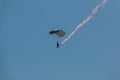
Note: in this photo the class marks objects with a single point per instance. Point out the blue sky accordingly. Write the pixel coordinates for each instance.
(28, 52)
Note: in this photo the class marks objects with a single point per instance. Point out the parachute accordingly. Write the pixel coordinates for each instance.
(58, 32)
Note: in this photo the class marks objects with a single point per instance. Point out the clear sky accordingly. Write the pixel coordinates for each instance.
(28, 52)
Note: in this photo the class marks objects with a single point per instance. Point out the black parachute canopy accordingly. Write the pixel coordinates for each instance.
(58, 32)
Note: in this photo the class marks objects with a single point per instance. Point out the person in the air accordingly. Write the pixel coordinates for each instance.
(57, 45)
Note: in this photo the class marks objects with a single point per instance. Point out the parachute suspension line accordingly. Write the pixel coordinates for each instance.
(84, 21)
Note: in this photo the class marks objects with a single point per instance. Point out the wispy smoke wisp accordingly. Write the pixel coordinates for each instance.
(84, 21)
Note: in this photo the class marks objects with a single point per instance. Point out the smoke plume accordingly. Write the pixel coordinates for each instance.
(94, 11)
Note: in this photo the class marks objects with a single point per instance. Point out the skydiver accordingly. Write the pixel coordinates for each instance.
(57, 45)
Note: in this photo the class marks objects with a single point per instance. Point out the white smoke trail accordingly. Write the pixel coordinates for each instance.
(84, 21)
